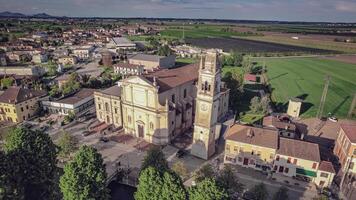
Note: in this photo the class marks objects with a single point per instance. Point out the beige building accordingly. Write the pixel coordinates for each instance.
(18, 104)
(294, 107)
(67, 60)
(158, 106)
(151, 62)
(108, 106)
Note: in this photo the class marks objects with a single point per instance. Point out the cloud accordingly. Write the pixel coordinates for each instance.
(346, 6)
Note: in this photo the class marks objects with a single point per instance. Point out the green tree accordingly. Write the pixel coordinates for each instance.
(150, 185)
(259, 192)
(234, 81)
(259, 105)
(281, 194)
(227, 179)
(54, 91)
(155, 158)
(207, 189)
(67, 144)
(7, 82)
(85, 176)
(173, 188)
(164, 51)
(204, 172)
(34, 158)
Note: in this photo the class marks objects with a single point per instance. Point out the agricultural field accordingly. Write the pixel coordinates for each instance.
(250, 46)
(304, 78)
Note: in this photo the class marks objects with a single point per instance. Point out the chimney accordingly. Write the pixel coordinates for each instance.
(249, 133)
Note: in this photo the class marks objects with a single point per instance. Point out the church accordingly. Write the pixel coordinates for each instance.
(161, 105)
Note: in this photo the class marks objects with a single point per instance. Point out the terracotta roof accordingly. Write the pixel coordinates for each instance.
(250, 77)
(273, 121)
(114, 91)
(171, 78)
(252, 135)
(299, 149)
(16, 95)
(350, 131)
(75, 98)
(326, 166)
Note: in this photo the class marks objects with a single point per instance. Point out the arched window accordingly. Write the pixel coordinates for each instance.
(106, 107)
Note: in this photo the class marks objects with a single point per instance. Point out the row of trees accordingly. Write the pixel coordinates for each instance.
(29, 169)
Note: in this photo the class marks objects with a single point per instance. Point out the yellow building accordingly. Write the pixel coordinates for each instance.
(108, 106)
(158, 106)
(251, 147)
(345, 147)
(263, 149)
(18, 104)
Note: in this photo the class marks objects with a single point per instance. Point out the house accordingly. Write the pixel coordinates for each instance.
(127, 69)
(83, 52)
(345, 147)
(39, 58)
(23, 70)
(250, 79)
(285, 127)
(151, 62)
(18, 104)
(108, 107)
(76, 103)
(263, 149)
(67, 60)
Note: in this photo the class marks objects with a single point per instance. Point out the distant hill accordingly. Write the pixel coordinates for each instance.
(13, 14)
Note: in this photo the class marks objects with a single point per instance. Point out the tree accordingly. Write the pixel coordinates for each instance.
(164, 51)
(259, 192)
(207, 189)
(204, 172)
(255, 104)
(67, 144)
(150, 185)
(85, 176)
(259, 105)
(7, 82)
(227, 179)
(34, 157)
(155, 158)
(234, 81)
(55, 91)
(173, 188)
(281, 194)
(180, 169)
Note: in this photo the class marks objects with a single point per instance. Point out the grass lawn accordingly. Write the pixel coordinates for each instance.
(249, 118)
(304, 77)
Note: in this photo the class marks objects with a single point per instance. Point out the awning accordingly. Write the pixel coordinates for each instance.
(306, 172)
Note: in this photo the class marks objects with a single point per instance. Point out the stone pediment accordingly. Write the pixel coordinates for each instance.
(138, 80)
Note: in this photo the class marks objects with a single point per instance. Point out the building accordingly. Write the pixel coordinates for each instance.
(284, 125)
(159, 106)
(121, 43)
(108, 107)
(76, 103)
(251, 147)
(294, 107)
(19, 104)
(263, 149)
(83, 52)
(67, 60)
(23, 70)
(151, 62)
(211, 106)
(107, 58)
(39, 58)
(127, 69)
(345, 147)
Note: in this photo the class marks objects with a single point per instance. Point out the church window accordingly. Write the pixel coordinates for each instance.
(99, 105)
(208, 87)
(106, 107)
(129, 119)
(185, 93)
(151, 125)
(173, 98)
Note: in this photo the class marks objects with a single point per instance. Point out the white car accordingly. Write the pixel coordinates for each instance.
(333, 119)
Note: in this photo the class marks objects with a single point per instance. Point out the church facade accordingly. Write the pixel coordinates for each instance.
(160, 106)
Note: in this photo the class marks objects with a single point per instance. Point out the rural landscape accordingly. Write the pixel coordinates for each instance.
(174, 101)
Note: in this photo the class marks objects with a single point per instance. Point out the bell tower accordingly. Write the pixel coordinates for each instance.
(207, 105)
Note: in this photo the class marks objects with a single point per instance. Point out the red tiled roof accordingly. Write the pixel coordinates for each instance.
(273, 121)
(252, 135)
(299, 149)
(16, 95)
(326, 166)
(171, 78)
(250, 77)
(350, 131)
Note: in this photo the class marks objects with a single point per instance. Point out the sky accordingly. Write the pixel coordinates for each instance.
(283, 10)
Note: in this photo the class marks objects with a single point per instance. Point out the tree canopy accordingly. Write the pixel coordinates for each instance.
(85, 176)
(207, 189)
(32, 157)
(281, 194)
(259, 192)
(155, 158)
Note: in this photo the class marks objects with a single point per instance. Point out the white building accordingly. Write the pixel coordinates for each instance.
(121, 43)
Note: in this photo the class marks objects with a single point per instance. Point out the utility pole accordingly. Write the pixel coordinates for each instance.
(183, 32)
(352, 107)
(323, 97)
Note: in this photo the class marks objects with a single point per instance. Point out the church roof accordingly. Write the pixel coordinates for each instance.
(171, 78)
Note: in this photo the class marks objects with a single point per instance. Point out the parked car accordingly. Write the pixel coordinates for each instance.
(104, 139)
(180, 153)
(333, 119)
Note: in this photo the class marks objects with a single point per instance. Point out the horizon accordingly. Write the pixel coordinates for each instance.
(343, 11)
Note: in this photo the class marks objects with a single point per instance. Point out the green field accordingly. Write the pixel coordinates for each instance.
(304, 77)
